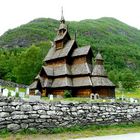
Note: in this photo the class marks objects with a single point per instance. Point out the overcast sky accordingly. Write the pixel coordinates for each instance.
(13, 13)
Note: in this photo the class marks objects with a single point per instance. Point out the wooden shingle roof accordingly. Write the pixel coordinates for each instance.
(62, 82)
(99, 56)
(45, 82)
(101, 81)
(33, 85)
(54, 54)
(80, 69)
(48, 70)
(81, 51)
(99, 70)
(63, 69)
(60, 36)
(82, 81)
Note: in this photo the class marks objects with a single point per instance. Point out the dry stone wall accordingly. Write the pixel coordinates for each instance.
(19, 114)
(11, 84)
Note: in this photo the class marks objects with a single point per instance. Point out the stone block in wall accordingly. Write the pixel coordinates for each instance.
(26, 107)
(42, 112)
(28, 121)
(17, 113)
(8, 108)
(3, 104)
(45, 116)
(19, 117)
(13, 127)
(40, 120)
(24, 125)
(34, 116)
(4, 114)
(51, 113)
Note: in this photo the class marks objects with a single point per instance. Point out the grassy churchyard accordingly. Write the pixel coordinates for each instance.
(126, 95)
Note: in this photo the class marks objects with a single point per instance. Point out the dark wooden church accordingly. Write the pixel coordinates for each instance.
(69, 67)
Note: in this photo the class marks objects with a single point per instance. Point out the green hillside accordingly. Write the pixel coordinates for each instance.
(118, 42)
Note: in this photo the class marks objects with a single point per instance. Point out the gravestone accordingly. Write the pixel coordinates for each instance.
(21, 95)
(27, 91)
(91, 96)
(96, 96)
(136, 101)
(0, 89)
(5, 92)
(51, 97)
(16, 89)
(112, 100)
(13, 93)
(132, 100)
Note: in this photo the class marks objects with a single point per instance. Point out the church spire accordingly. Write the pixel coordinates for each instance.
(62, 17)
(62, 22)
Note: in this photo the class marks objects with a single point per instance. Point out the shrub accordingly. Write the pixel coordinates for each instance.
(9, 94)
(67, 94)
(17, 94)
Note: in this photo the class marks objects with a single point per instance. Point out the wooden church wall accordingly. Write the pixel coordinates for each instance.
(56, 92)
(79, 60)
(82, 92)
(57, 62)
(105, 91)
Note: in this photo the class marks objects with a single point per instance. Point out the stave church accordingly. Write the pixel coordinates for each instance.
(70, 67)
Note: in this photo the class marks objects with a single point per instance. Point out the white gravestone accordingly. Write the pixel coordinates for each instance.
(96, 96)
(16, 89)
(13, 93)
(36, 91)
(21, 94)
(136, 101)
(112, 100)
(51, 97)
(131, 100)
(27, 91)
(5, 92)
(91, 96)
(0, 88)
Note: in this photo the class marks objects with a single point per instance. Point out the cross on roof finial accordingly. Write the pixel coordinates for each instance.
(62, 16)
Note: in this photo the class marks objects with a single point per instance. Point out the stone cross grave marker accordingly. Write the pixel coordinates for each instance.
(5, 92)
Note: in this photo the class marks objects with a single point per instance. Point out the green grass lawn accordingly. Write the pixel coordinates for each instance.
(129, 94)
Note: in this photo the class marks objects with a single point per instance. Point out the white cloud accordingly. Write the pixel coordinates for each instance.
(16, 12)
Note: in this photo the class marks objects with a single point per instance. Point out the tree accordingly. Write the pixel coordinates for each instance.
(128, 80)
